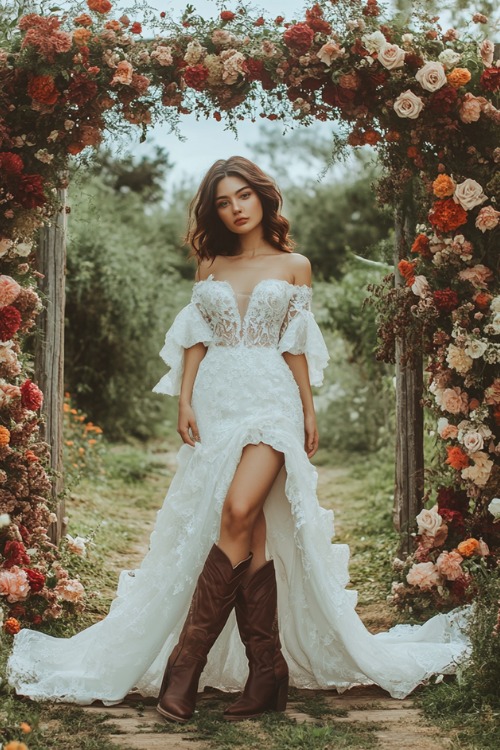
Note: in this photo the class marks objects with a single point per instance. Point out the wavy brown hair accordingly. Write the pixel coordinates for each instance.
(207, 234)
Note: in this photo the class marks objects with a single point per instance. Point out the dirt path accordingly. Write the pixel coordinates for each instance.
(385, 722)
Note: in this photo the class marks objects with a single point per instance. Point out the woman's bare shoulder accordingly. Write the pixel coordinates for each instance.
(300, 268)
(205, 268)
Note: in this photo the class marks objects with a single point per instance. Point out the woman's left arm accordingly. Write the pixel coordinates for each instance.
(298, 365)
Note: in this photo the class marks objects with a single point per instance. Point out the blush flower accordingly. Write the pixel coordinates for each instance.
(448, 565)
(454, 400)
(469, 194)
(487, 218)
(14, 584)
(70, 590)
(431, 76)
(424, 575)
(478, 275)
(9, 289)
(391, 56)
(408, 105)
(429, 521)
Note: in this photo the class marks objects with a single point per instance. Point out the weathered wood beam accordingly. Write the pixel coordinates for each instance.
(409, 477)
(49, 350)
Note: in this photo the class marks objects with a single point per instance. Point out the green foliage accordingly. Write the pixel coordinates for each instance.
(123, 291)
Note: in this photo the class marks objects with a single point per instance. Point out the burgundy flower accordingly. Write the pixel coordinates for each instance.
(490, 79)
(255, 71)
(443, 100)
(11, 163)
(15, 554)
(31, 395)
(337, 96)
(10, 321)
(36, 580)
(413, 61)
(445, 300)
(81, 90)
(195, 76)
(314, 19)
(453, 518)
(29, 191)
(299, 37)
(227, 15)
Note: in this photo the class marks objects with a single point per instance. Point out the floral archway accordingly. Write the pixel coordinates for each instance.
(424, 97)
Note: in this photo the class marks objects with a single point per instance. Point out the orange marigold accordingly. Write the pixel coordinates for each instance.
(43, 89)
(443, 186)
(4, 435)
(458, 77)
(25, 727)
(15, 745)
(468, 547)
(407, 271)
(446, 215)
(457, 459)
(81, 36)
(99, 6)
(421, 246)
(12, 626)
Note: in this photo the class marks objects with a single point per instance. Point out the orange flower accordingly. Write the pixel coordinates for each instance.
(25, 727)
(458, 77)
(83, 20)
(113, 25)
(412, 152)
(75, 148)
(482, 300)
(4, 436)
(443, 186)
(66, 408)
(468, 547)
(81, 36)
(371, 137)
(446, 215)
(407, 271)
(99, 6)
(12, 626)
(457, 459)
(92, 441)
(15, 745)
(421, 246)
(43, 89)
(30, 456)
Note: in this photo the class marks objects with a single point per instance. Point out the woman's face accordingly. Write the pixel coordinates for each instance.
(238, 205)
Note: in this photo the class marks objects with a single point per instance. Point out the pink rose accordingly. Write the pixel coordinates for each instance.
(469, 194)
(431, 76)
(487, 50)
(329, 52)
(391, 56)
(14, 584)
(487, 218)
(9, 289)
(424, 575)
(478, 275)
(448, 565)
(454, 400)
(408, 105)
(123, 73)
(470, 110)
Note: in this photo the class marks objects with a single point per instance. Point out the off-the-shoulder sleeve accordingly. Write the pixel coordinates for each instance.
(189, 328)
(300, 334)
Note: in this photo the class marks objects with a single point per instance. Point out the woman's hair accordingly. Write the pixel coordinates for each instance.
(208, 235)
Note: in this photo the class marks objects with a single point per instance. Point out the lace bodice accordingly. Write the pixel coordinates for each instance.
(277, 316)
(271, 306)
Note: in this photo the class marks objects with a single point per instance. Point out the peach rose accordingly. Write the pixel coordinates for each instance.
(454, 400)
(70, 590)
(408, 105)
(458, 360)
(470, 109)
(487, 50)
(448, 565)
(14, 584)
(162, 55)
(123, 73)
(424, 575)
(329, 52)
(443, 186)
(487, 218)
(468, 547)
(469, 194)
(429, 521)
(480, 471)
(431, 76)
(458, 77)
(478, 275)
(391, 56)
(9, 290)
(473, 442)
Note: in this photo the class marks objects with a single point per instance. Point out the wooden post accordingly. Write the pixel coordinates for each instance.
(49, 350)
(409, 479)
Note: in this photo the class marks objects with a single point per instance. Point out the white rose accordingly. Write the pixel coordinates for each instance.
(374, 42)
(4, 519)
(495, 305)
(77, 545)
(494, 507)
(469, 194)
(429, 521)
(24, 249)
(487, 51)
(473, 442)
(449, 58)
(408, 105)
(475, 348)
(431, 76)
(420, 286)
(391, 56)
(407, 38)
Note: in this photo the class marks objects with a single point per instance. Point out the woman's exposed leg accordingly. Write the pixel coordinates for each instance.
(258, 468)
(258, 545)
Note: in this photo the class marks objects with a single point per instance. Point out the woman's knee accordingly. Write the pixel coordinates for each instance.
(238, 517)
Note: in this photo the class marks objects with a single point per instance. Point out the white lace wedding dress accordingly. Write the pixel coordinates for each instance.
(244, 392)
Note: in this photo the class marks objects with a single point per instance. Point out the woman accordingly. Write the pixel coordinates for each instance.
(243, 355)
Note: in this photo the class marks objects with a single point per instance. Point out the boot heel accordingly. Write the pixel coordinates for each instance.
(281, 695)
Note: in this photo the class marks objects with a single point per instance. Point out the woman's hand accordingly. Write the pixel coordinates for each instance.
(312, 437)
(186, 424)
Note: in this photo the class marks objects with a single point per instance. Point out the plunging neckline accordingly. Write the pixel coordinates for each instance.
(243, 318)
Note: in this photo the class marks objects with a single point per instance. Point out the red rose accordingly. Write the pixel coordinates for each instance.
(81, 90)
(453, 518)
(413, 60)
(31, 396)
(29, 190)
(195, 76)
(15, 554)
(255, 71)
(443, 100)
(314, 19)
(279, 20)
(11, 163)
(260, 21)
(490, 79)
(36, 580)
(227, 15)
(299, 37)
(136, 28)
(445, 300)
(10, 321)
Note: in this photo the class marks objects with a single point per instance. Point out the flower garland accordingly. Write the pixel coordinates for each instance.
(424, 97)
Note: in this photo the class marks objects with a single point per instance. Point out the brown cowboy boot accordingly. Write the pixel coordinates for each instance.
(256, 612)
(212, 602)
